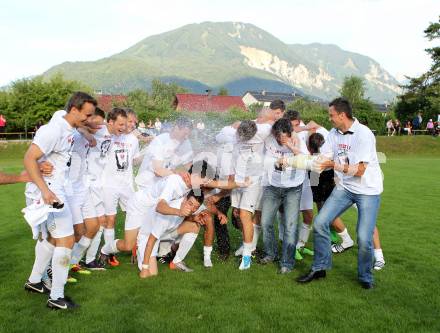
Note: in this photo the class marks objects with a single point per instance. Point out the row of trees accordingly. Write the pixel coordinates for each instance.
(422, 94)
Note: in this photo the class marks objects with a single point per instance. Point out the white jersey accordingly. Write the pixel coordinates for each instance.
(357, 145)
(56, 141)
(226, 139)
(163, 148)
(276, 176)
(118, 171)
(168, 188)
(249, 155)
(78, 165)
(97, 157)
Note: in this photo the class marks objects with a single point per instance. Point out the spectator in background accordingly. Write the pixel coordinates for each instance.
(390, 128)
(2, 123)
(417, 122)
(158, 126)
(142, 125)
(200, 125)
(150, 124)
(398, 126)
(408, 128)
(430, 127)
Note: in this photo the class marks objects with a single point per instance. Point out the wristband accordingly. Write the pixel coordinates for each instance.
(144, 266)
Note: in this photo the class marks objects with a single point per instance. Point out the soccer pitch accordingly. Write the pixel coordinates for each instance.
(406, 297)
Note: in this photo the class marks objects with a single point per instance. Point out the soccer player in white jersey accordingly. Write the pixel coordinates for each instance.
(165, 153)
(83, 204)
(143, 202)
(53, 142)
(118, 184)
(249, 164)
(169, 220)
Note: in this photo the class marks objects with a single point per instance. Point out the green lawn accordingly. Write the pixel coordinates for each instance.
(406, 297)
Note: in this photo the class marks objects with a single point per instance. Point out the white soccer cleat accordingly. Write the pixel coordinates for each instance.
(245, 263)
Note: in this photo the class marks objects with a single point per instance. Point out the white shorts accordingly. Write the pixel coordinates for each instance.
(247, 198)
(94, 204)
(113, 196)
(76, 204)
(306, 202)
(60, 225)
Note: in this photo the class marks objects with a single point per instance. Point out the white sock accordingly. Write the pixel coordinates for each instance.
(110, 248)
(257, 230)
(79, 249)
(43, 254)
(94, 246)
(207, 250)
(60, 270)
(346, 239)
(185, 245)
(304, 234)
(247, 249)
(109, 235)
(378, 255)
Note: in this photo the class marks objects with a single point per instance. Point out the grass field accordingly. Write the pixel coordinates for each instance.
(406, 297)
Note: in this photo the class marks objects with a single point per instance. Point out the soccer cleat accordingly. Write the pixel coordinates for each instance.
(266, 260)
(239, 252)
(39, 287)
(61, 304)
(76, 268)
(167, 258)
(245, 263)
(298, 255)
(379, 264)
(103, 259)
(306, 251)
(95, 265)
(207, 263)
(112, 260)
(180, 266)
(339, 248)
(284, 270)
(71, 279)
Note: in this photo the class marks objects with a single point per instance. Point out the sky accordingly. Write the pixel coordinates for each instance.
(36, 35)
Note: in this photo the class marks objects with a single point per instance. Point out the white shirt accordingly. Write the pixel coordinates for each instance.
(55, 140)
(353, 149)
(163, 148)
(78, 165)
(168, 188)
(249, 155)
(118, 172)
(97, 157)
(278, 177)
(226, 138)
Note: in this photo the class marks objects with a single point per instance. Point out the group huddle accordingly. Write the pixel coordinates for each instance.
(82, 167)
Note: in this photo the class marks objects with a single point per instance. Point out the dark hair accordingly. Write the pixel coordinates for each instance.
(99, 112)
(183, 122)
(277, 104)
(316, 140)
(115, 113)
(282, 125)
(130, 111)
(203, 168)
(292, 115)
(342, 105)
(200, 197)
(246, 130)
(78, 99)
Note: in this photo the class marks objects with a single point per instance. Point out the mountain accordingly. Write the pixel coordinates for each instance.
(238, 56)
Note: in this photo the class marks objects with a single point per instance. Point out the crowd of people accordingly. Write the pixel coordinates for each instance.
(80, 169)
(394, 127)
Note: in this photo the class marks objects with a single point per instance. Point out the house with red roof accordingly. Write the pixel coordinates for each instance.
(107, 102)
(207, 103)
